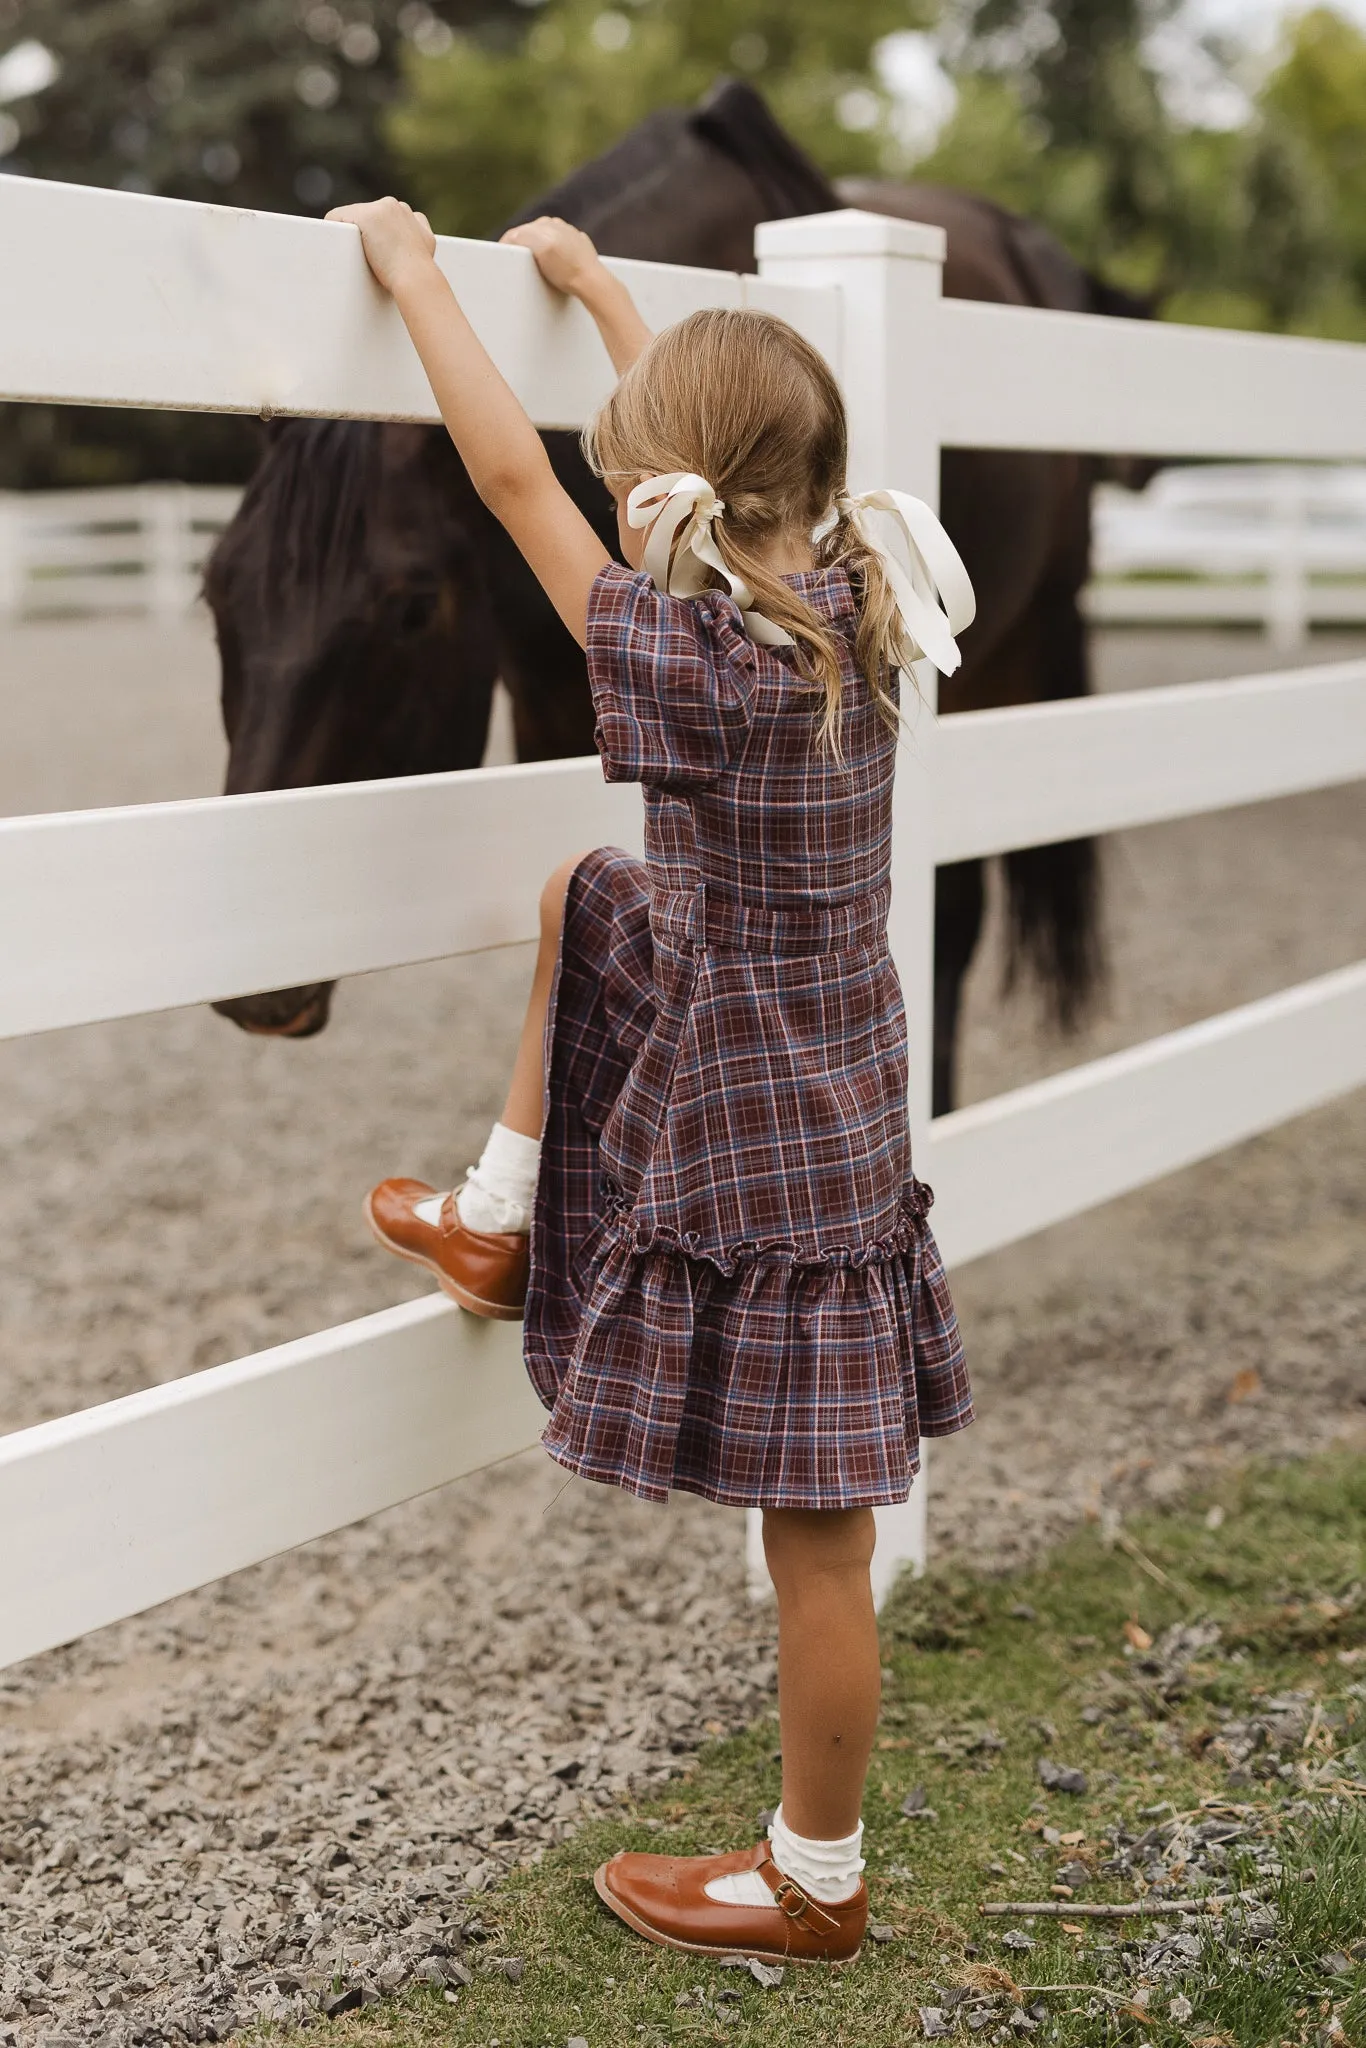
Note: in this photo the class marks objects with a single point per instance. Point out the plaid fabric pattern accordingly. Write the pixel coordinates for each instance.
(734, 1289)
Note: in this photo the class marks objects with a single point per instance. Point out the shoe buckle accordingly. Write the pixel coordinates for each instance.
(782, 1892)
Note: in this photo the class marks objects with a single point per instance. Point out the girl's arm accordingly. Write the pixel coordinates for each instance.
(501, 449)
(567, 259)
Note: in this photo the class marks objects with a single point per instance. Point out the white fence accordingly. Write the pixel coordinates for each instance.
(137, 549)
(105, 914)
(1280, 545)
(1273, 544)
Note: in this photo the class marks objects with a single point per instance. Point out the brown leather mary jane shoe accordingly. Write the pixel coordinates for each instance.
(485, 1272)
(665, 1899)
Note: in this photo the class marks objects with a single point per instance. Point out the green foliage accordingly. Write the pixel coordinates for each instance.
(1318, 97)
(1060, 117)
(1286, 254)
(270, 103)
(1118, 205)
(492, 122)
(1091, 145)
(1078, 59)
(1261, 227)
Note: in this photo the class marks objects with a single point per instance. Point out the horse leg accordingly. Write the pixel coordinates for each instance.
(959, 901)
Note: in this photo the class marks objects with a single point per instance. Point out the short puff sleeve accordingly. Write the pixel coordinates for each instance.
(672, 680)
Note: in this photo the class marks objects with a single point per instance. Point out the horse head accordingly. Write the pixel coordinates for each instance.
(353, 630)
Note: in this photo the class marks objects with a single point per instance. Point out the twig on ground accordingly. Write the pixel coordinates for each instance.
(1181, 1587)
(1100, 1990)
(1058, 1909)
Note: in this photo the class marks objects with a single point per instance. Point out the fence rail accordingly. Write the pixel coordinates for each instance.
(167, 904)
(1005, 1168)
(162, 905)
(113, 912)
(1015, 378)
(1003, 779)
(1276, 545)
(138, 549)
(188, 1482)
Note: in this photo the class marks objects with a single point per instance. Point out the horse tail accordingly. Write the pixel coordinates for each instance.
(1054, 931)
(1053, 926)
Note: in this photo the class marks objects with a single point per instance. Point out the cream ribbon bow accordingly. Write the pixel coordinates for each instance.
(931, 586)
(682, 549)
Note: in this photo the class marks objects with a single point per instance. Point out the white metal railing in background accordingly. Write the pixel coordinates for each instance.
(109, 913)
(1280, 545)
(136, 548)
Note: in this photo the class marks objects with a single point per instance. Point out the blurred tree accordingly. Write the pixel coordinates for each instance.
(1062, 116)
(1075, 121)
(489, 123)
(1317, 97)
(260, 103)
(265, 103)
(1287, 250)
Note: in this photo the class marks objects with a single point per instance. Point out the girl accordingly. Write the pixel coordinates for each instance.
(703, 1167)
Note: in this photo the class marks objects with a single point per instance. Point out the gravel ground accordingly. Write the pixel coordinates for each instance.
(320, 1762)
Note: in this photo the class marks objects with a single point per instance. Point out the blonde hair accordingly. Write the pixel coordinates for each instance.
(740, 398)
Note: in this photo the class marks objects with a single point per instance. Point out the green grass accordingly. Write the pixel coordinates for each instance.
(975, 1695)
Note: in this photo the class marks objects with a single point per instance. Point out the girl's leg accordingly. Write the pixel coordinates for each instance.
(524, 1110)
(801, 1894)
(449, 1233)
(829, 1668)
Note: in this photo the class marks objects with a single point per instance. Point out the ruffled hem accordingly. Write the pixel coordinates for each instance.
(640, 1237)
(782, 1384)
(722, 1492)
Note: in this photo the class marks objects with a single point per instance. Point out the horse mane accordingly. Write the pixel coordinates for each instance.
(737, 120)
(639, 156)
(315, 545)
(1119, 304)
(732, 118)
(306, 523)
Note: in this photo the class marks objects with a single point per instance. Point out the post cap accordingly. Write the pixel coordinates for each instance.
(849, 232)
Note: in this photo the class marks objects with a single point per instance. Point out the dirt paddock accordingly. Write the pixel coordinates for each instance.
(395, 1712)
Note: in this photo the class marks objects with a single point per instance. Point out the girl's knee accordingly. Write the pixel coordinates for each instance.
(553, 896)
(799, 1542)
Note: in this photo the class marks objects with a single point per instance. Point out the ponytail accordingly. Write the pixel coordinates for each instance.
(879, 646)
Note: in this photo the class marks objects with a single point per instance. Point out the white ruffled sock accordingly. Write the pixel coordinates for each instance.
(828, 1871)
(500, 1192)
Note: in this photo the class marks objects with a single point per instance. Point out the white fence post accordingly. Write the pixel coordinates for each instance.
(890, 278)
(11, 557)
(166, 527)
(1287, 581)
(1278, 545)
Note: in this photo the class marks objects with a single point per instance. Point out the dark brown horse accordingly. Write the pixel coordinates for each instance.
(365, 600)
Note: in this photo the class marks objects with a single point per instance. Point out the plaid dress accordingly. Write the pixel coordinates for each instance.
(734, 1289)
